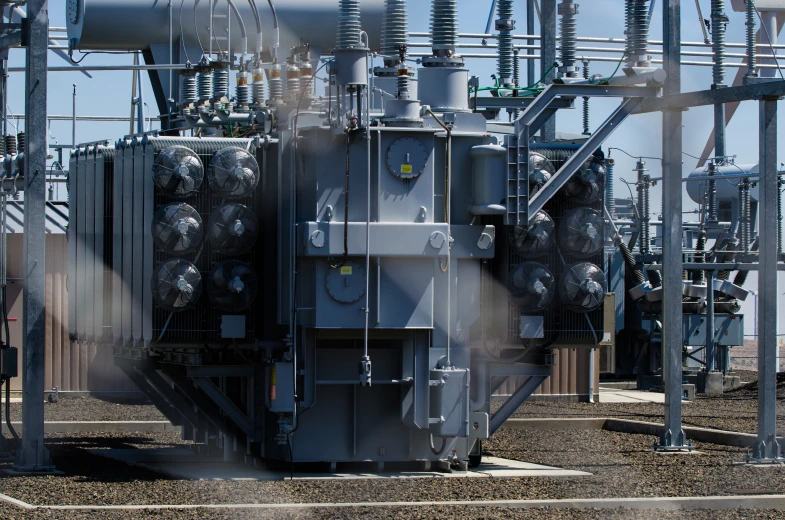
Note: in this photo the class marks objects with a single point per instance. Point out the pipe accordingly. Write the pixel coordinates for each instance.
(366, 360)
(448, 175)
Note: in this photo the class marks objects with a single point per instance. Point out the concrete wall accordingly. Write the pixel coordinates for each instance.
(70, 366)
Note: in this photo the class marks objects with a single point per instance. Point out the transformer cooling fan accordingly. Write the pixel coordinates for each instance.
(583, 287)
(176, 285)
(537, 239)
(178, 172)
(233, 173)
(532, 287)
(541, 170)
(586, 186)
(232, 285)
(177, 228)
(232, 229)
(582, 232)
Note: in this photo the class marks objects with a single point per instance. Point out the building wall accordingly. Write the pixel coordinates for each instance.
(70, 366)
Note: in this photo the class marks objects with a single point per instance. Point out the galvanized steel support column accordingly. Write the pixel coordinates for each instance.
(548, 57)
(673, 435)
(530, 51)
(710, 351)
(33, 457)
(766, 448)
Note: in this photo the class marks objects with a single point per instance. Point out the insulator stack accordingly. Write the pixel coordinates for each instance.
(306, 78)
(718, 22)
(242, 90)
(712, 205)
(204, 85)
(505, 25)
(750, 37)
(516, 79)
(637, 15)
(403, 83)
(610, 197)
(10, 145)
(275, 82)
(2, 148)
(394, 30)
(569, 38)
(221, 80)
(348, 25)
(444, 27)
(292, 80)
(257, 87)
(586, 107)
(643, 207)
(699, 277)
(744, 215)
(188, 92)
(21, 142)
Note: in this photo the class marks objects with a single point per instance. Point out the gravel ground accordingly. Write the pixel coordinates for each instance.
(94, 409)
(403, 513)
(622, 465)
(733, 411)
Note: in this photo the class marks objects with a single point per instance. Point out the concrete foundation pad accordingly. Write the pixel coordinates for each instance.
(183, 464)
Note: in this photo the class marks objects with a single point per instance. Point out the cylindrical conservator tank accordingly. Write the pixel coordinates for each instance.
(138, 24)
(488, 179)
(726, 189)
(444, 89)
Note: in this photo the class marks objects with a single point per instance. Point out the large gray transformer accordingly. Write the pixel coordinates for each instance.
(320, 279)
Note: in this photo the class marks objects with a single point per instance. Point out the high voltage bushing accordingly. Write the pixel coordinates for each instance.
(744, 214)
(220, 79)
(394, 30)
(718, 22)
(567, 11)
(275, 82)
(292, 80)
(257, 86)
(505, 25)
(586, 107)
(643, 206)
(610, 198)
(242, 91)
(348, 36)
(444, 35)
(10, 145)
(712, 204)
(188, 93)
(204, 80)
(750, 37)
(516, 80)
(21, 142)
(637, 19)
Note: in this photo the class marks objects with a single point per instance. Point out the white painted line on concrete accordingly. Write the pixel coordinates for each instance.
(13, 501)
(653, 503)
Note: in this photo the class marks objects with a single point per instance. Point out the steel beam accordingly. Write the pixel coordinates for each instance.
(226, 405)
(712, 97)
(220, 371)
(515, 400)
(12, 39)
(766, 448)
(710, 332)
(673, 436)
(560, 178)
(33, 456)
(517, 102)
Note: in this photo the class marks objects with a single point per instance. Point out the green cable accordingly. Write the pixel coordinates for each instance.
(605, 81)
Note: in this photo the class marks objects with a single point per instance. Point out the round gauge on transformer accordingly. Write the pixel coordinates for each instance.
(346, 282)
(406, 158)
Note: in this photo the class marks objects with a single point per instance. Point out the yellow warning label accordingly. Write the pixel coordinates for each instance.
(346, 271)
(406, 168)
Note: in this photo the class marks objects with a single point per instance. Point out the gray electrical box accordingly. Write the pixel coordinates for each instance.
(728, 329)
(450, 402)
(279, 396)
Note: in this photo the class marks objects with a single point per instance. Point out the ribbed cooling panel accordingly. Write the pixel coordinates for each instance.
(568, 326)
(90, 251)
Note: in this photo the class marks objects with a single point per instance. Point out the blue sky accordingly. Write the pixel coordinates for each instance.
(108, 93)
